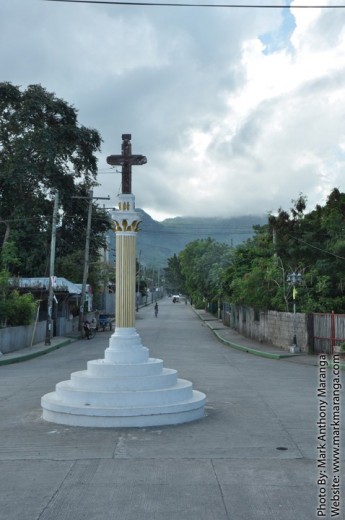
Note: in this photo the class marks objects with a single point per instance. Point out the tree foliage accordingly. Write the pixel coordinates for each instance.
(198, 269)
(310, 243)
(15, 308)
(255, 272)
(175, 281)
(44, 149)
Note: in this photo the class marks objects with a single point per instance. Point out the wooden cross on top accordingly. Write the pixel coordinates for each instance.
(126, 160)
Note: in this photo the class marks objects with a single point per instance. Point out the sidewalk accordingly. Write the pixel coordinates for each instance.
(233, 339)
(36, 350)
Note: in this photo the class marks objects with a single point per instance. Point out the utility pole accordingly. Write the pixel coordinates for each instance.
(51, 271)
(274, 239)
(106, 261)
(90, 198)
(86, 264)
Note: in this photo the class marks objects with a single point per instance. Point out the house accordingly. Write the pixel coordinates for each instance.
(67, 296)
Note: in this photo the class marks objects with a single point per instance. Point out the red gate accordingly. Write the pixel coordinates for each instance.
(329, 330)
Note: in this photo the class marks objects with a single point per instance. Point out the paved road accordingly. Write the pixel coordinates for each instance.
(253, 457)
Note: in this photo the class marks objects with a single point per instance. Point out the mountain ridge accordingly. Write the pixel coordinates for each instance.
(158, 241)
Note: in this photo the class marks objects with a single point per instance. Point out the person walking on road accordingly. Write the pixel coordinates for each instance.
(156, 310)
(87, 329)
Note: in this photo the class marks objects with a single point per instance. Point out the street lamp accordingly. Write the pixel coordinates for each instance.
(294, 279)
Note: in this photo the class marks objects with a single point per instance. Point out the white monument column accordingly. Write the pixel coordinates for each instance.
(127, 388)
(126, 226)
(125, 344)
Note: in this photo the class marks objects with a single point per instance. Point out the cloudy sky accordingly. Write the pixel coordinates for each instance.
(238, 110)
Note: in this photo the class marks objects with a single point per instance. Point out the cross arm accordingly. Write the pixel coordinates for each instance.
(120, 160)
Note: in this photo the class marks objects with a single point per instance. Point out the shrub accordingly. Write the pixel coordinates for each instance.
(20, 309)
(15, 309)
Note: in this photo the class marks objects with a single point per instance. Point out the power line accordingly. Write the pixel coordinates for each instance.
(229, 6)
(315, 247)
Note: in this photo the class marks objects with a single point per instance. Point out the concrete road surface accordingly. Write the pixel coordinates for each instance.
(259, 454)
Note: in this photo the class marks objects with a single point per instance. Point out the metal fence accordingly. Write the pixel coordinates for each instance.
(328, 331)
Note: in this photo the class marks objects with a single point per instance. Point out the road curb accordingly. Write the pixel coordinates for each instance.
(32, 355)
(249, 350)
(255, 352)
(341, 365)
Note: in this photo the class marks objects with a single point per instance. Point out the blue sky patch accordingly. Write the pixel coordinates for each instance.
(280, 39)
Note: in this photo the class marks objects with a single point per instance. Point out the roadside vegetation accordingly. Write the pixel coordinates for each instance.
(15, 309)
(43, 149)
(255, 273)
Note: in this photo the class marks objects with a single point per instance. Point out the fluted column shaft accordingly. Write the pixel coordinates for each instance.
(126, 227)
(125, 278)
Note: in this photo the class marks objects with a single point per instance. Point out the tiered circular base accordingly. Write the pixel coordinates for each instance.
(125, 389)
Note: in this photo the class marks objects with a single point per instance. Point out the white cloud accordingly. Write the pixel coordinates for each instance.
(232, 122)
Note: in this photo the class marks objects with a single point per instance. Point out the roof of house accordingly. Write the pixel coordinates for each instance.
(59, 284)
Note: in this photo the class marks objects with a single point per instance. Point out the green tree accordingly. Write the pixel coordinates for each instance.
(203, 263)
(9, 258)
(287, 229)
(4, 276)
(43, 149)
(175, 281)
(15, 309)
(256, 276)
(263, 286)
(71, 236)
(310, 243)
(20, 309)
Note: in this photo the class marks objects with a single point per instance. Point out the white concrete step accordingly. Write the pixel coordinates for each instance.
(102, 368)
(66, 392)
(85, 380)
(136, 416)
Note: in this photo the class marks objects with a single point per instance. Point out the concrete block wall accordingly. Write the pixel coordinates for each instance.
(272, 327)
(16, 338)
(281, 329)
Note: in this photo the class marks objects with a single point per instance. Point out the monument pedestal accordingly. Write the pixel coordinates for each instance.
(125, 389)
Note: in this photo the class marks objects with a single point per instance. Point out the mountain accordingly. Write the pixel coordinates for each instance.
(158, 241)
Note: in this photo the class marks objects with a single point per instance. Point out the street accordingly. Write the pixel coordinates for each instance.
(254, 456)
